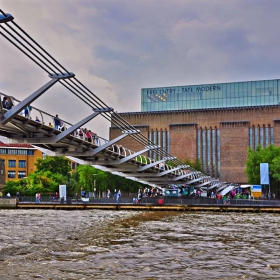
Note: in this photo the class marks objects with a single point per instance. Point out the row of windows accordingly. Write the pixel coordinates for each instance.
(162, 139)
(208, 151)
(12, 163)
(20, 175)
(240, 94)
(263, 136)
(8, 151)
(259, 93)
(208, 145)
(209, 103)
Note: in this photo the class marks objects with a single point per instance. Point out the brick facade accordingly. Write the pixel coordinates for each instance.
(183, 143)
(233, 125)
(234, 148)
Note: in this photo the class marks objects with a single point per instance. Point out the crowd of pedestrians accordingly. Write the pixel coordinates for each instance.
(57, 123)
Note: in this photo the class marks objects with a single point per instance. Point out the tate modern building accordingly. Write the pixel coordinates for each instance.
(215, 123)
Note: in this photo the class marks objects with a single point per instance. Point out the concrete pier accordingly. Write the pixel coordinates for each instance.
(8, 203)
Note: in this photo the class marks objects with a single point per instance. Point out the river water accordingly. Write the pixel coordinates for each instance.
(53, 244)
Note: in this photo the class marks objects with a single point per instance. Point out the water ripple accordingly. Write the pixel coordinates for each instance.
(52, 244)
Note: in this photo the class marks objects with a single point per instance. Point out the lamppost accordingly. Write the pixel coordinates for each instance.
(94, 185)
(69, 188)
(68, 176)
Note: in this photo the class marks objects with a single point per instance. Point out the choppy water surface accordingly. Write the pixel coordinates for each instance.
(52, 244)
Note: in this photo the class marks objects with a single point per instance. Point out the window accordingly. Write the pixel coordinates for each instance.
(208, 150)
(21, 174)
(22, 152)
(3, 162)
(11, 174)
(12, 151)
(30, 152)
(11, 163)
(3, 151)
(261, 135)
(22, 163)
(73, 165)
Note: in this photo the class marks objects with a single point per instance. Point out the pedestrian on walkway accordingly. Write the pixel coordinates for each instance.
(119, 194)
(57, 122)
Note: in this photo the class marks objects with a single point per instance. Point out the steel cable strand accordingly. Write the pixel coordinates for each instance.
(146, 140)
(25, 40)
(23, 51)
(40, 47)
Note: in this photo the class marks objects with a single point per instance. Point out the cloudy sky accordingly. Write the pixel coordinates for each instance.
(117, 47)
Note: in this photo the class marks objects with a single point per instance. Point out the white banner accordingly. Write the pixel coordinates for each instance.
(264, 173)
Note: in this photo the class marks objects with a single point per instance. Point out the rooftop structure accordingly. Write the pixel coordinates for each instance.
(205, 96)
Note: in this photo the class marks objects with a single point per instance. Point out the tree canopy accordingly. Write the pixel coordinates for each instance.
(59, 165)
(270, 155)
(54, 171)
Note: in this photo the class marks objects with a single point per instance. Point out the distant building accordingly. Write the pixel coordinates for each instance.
(17, 161)
(215, 123)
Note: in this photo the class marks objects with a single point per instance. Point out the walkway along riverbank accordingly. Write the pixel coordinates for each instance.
(146, 207)
(151, 204)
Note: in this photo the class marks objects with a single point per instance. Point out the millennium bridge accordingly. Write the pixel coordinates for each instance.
(17, 124)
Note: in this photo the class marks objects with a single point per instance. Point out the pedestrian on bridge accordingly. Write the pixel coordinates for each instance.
(57, 122)
(27, 111)
(8, 103)
(4, 102)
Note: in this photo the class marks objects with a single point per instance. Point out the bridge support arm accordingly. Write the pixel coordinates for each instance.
(111, 142)
(70, 130)
(205, 184)
(20, 106)
(150, 165)
(168, 171)
(123, 160)
(198, 179)
(185, 176)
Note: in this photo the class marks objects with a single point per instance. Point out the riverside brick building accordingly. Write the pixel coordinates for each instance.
(215, 123)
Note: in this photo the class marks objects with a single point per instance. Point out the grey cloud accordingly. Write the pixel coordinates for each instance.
(118, 47)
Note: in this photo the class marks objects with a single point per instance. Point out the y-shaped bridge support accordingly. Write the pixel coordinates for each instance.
(123, 160)
(110, 143)
(27, 101)
(81, 123)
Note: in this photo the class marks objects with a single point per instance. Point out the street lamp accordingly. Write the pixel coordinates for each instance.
(94, 188)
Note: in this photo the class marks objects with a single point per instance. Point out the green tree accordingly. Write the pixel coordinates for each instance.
(104, 180)
(58, 164)
(270, 155)
(87, 176)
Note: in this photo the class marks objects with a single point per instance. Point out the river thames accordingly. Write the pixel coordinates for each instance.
(52, 244)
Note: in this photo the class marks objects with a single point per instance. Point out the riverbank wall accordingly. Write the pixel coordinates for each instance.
(147, 207)
(8, 203)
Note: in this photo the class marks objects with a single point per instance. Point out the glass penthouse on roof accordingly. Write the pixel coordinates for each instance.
(225, 95)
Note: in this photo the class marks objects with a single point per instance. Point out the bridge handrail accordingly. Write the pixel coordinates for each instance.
(44, 121)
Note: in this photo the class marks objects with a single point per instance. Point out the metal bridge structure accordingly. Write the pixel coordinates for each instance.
(19, 126)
